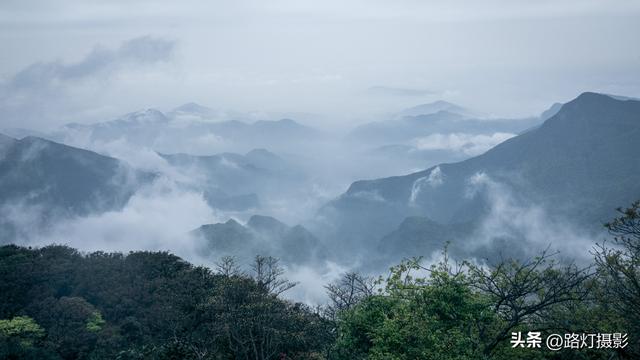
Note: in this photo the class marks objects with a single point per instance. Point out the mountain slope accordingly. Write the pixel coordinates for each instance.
(233, 181)
(136, 127)
(262, 235)
(443, 122)
(435, 107)
(580, 164)
(181, 132)
(60, 180)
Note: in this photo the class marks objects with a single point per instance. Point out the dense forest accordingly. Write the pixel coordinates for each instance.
(58, 303)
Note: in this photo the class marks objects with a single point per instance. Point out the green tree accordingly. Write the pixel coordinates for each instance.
(463, 310)
(421, 313)
(21, 338)
(22, 328)
(619, 273)
(523, 294)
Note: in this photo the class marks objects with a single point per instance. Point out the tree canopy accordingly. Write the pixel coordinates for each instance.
(58, 303)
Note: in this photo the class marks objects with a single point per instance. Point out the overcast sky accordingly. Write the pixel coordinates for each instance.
(89, 60)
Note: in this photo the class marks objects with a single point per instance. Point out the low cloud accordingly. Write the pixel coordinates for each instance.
(511, 219)
(369, 195)
(312, 280)
(434, 179)
(468, 144)
(156, 218)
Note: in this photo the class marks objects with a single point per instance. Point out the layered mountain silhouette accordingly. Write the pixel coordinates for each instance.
(437, 132)
(138, 127)
(552, 110)
(579, 165)
(575, 168)
(236, 182)
(262, 235)
(197, 112)
(56, 180)
(435, 107)
(409, 128)
(180, 129)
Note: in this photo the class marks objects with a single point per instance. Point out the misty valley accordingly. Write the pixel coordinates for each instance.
(276, 246)
(319, 180)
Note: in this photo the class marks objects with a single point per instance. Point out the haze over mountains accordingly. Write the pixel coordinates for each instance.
(438, 132)
(233, 181)
(572, 170)
(436, 107)
(188, 128)
(488, 183)
(54, 181)
(336, 180)
(262, 235)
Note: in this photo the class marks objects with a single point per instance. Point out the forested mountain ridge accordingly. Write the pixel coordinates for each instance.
(61, 181)
(231, 181)
(580, 164)
(144, 305)
(263, 235)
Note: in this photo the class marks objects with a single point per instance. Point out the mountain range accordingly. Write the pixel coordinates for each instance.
(575, 168)
(180, 130)
(440, 117)
(435, 107)
(236, 182)
(262, 235)
(58, 181)
(579, 165)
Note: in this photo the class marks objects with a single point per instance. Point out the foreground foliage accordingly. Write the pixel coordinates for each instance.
(60, 304)
(469, 311)
(56, 303)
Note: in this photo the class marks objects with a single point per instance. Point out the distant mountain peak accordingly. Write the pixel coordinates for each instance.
(435, 107)
(192, 107)
(260, 151)
(285, 127)
(266, 223)
(584, 99)
(590, 96)
(141, 117)
(443, 103)
(262, 155)
(232, 222)
(262, 235)
(439, 115)
(144, 116)
(229, 225)
(595, 106)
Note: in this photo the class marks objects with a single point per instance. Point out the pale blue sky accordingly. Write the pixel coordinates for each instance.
(501, 57)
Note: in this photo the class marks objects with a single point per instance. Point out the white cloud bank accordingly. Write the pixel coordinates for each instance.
(156, 218)
(468, 144)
